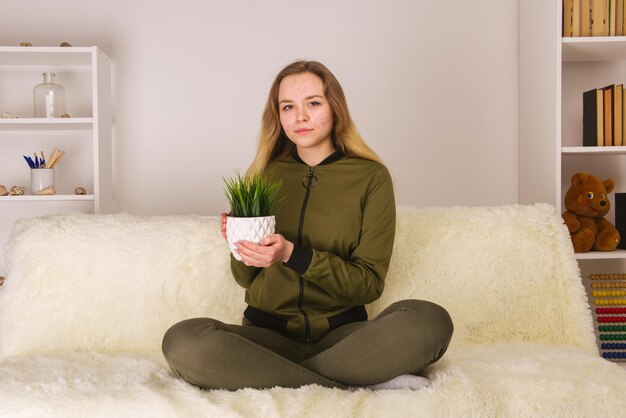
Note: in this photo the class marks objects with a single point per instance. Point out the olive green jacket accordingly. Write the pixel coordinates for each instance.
(341, 217)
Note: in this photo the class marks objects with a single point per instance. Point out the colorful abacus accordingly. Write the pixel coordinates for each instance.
(611, 298)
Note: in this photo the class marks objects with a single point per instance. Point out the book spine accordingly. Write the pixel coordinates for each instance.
(590, 119)
(605, 25)
(608, 116)
(576, 18)
(617, 115)
(567, 18)
(623, 117)
(619, 18)
(620, 218)
(600, 117)
(612, 17)
(597, 17)
(585, 17)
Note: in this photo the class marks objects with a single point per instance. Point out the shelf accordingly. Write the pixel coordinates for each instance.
(600, 48)
(599, 255)
(18, 55)
(57, 197)
(32, 124)
(593, 150)
(86, 75)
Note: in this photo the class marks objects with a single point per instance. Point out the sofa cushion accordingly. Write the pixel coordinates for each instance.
(504, 273)
(111, 282)
(117, 282)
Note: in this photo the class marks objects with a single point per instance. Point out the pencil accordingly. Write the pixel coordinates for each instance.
(56, 157)
(51, 161)
(59, 159)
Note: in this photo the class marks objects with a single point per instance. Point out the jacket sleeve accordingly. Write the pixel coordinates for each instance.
(360, 279)
(244, 275)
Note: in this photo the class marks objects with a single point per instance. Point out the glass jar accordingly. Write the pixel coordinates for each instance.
(49, 98)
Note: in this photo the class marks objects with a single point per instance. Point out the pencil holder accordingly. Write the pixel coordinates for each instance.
(40, 179)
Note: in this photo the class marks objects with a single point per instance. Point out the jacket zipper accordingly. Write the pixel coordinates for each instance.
(307, 328)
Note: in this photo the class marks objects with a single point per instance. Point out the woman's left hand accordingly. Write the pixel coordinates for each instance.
(270, 250)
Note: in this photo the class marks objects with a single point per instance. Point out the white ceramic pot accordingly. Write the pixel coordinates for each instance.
(248, 229)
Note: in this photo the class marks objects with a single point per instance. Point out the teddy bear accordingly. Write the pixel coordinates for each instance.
(587, 202)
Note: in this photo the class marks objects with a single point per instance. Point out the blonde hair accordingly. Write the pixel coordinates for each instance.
(274, 144)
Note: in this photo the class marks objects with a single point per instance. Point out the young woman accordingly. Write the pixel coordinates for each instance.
(306, 285)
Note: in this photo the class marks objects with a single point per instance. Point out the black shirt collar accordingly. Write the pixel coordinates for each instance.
(335, 156)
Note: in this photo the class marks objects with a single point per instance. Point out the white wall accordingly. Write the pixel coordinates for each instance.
(432, 86)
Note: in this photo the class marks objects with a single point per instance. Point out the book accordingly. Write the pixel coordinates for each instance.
(612, 17)
(606, 17)
(599, 117)
(576, 18)
(619, 18)
(608, 115)
(618, 120)
(623, 118)
(568, 6)
(620, 218)
(593, 18)
(598, 17)
(585, 17)
(592, 118)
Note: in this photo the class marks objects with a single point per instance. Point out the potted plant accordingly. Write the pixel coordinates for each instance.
(253, 202)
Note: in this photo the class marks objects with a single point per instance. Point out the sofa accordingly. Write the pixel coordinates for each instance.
(87, 299)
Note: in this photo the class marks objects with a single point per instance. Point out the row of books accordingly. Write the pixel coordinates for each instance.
(593, 18)
(603, 116)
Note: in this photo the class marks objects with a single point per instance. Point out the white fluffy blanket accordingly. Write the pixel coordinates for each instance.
(87, 299)
(500, 380)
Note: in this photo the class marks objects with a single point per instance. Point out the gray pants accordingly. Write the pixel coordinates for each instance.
(404, 338)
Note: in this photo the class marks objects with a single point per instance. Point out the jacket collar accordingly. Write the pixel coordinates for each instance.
(335, 156)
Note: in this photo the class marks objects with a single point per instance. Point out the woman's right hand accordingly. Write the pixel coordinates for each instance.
(224, 215)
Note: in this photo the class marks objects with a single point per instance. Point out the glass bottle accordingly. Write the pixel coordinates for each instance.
(49, 98)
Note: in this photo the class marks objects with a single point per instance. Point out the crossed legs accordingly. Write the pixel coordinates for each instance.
(402, 339)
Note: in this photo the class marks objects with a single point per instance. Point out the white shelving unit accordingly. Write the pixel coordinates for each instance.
(554, 73)
(85, 73)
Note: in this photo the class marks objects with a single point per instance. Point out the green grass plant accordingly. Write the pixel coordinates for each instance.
(252, 196)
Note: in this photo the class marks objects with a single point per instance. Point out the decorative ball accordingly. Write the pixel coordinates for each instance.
(80, 191)
(3, 190)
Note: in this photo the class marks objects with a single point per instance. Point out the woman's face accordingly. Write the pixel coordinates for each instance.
(305, 114)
